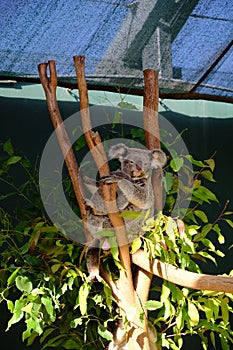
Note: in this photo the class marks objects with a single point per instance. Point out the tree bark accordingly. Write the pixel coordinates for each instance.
(125, 282)
(182, 277)
(50, 87)
(152, 136)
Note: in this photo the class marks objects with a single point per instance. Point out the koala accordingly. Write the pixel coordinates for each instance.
(134, 192)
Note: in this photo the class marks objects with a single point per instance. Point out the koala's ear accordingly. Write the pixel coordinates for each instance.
(118, 151)
(159, 159)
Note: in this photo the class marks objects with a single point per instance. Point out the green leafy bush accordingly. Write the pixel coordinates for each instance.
(43, 276)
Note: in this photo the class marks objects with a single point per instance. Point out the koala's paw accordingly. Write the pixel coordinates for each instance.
(94, 275)
(109, 179)
(115, 176)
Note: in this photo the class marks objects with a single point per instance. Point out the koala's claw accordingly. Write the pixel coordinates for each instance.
(94, 275)
(109, 179)
(115, 176)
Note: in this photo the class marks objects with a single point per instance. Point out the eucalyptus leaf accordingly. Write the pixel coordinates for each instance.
(23, 284)
(193, 314)
(153, 305)
(13, 160)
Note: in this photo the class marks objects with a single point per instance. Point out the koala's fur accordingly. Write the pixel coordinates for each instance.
(135, 191)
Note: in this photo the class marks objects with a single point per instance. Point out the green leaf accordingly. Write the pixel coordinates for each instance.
(201, 215)
(153, 305)
(208, 175)
(225, 310)
(80, 143)
(198, 163)
(104, 332)
(114, 248)
(212, 338)
(204, 194)
(10, 306)
(127, 105)
(23, 284)
(176, 164)
(13, 160)
(193, 314)
(47, 302)
(131, 214)
(76, 322)
(137, 134)
(82, 297)
(230, 222)
(221, 238)
(180, 319)
(168, 181)
(211, 163)
(136, 245)
(105, 233)
(7, 147)
(208, 256)
(17, 313)
(12, 277)
(165, 292)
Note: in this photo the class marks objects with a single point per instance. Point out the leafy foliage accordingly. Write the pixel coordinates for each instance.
(43, 276)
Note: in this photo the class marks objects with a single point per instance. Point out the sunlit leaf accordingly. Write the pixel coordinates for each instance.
(176, 164)
(153, 305)
(211, 163)
(136, 245)
(82, 297)
(130, 214)
(193, 314)
(23, 284)
(201, 215)
(104, 332)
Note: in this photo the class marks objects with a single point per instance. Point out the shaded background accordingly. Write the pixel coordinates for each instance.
(27, 123)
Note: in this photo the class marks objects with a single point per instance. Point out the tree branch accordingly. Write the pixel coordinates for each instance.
(50, 86)
(152, 137)
(125, 281)
(182, 277)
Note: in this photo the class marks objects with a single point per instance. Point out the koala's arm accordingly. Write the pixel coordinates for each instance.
(138, 193)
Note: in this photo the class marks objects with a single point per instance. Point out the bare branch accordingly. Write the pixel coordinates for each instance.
(152, 137)
(182, 277)
(50, 86)
(109, 191)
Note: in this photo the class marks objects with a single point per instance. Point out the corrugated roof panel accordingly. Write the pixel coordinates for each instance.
(37, 31)
(198, 44)
(33, 32)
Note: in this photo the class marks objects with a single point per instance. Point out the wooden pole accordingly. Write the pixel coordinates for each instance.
(50, 86)
(181, 277)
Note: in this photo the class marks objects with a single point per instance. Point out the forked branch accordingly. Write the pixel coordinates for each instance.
(50, 86)
(109, 191)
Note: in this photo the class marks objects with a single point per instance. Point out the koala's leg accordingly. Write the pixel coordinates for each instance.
(93, 256)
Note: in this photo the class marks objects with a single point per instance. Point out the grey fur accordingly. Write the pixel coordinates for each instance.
(135, 191)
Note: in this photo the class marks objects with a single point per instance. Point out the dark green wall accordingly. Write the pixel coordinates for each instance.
(26, 122)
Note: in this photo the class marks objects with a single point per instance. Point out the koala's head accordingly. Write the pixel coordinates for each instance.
(137, 162)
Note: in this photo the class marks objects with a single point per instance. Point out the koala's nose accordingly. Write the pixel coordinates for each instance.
(139, 165)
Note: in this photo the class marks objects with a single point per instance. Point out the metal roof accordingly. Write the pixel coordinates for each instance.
(188, 41)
